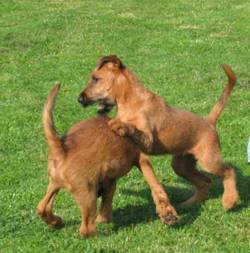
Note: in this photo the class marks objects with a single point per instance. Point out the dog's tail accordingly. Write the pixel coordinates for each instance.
(51, 135)
(219, 106)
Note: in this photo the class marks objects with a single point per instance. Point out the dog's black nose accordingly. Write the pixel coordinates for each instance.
(81, 99)
(84, 100)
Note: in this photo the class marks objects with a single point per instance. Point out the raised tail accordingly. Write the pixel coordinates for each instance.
(219, 106)
(51, 135)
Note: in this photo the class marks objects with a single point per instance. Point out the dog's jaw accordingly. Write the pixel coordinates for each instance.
(104, 107)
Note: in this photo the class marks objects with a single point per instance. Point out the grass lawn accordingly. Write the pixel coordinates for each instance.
(176, 48)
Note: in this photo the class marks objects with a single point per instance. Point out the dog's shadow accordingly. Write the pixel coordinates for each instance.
(143, 213)
(133, 214)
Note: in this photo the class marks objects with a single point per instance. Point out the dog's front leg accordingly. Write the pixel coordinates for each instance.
(142, 138)
(164, 208)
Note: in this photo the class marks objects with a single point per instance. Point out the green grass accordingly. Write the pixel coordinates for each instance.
(176, 48)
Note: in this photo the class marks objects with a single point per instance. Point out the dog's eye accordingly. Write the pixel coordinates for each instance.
(95, 79)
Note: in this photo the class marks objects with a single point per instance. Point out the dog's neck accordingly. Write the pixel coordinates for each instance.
(130, 94)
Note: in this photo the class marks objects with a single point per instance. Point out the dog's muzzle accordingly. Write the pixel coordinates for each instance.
(83, 99)
(104, 108)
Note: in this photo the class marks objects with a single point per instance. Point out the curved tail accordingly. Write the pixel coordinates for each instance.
(219, 106)
(51, 135)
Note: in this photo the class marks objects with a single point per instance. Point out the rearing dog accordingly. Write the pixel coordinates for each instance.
(158, 128)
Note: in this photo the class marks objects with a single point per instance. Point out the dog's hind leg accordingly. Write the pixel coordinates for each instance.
(211, 161)
(45, 207)
(105, 211)
(185, 166)
(86, 198)
(164, 209)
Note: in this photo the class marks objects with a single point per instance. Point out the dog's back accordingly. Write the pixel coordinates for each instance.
(92, 146)
(89, 150)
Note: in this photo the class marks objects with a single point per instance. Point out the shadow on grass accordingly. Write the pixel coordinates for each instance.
(135, 214)
(131, 215)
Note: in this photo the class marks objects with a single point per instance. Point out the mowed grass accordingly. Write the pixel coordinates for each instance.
(176, 48)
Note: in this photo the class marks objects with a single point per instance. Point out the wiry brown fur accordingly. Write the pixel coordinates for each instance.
(158, 128)
(87, 161)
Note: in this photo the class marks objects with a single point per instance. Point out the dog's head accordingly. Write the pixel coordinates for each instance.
(103, 84)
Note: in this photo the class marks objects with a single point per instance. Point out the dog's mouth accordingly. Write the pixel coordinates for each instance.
(105, 107)
(88, 103)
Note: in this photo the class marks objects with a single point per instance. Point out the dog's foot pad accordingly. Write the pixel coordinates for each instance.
(103, 219)
(169, 219)
(56, 222)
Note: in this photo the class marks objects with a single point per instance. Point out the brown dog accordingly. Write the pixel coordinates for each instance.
(158, 128)
(86, 162)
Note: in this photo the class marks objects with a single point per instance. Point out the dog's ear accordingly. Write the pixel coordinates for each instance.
(112, 61)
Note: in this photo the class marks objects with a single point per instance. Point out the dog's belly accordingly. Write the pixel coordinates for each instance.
(168, 147)
(174, 141)
(179, 133)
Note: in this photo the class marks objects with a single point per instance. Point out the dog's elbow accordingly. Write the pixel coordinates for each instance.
(147, 145)
(143, 140)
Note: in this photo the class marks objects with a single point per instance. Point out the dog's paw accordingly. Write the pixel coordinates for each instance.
(103, 219)
(55, 222)
(167, 214)
(87, 232)
(169, 219)
(229, 200)
(120, 128)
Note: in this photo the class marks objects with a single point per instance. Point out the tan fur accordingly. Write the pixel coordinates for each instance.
(219, 106)
(158, 128)
(87, 161)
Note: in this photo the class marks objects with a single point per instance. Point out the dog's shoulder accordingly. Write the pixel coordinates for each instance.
(86, 131)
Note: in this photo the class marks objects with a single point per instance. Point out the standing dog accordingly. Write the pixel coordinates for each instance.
(87, 161)
(158, 128)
